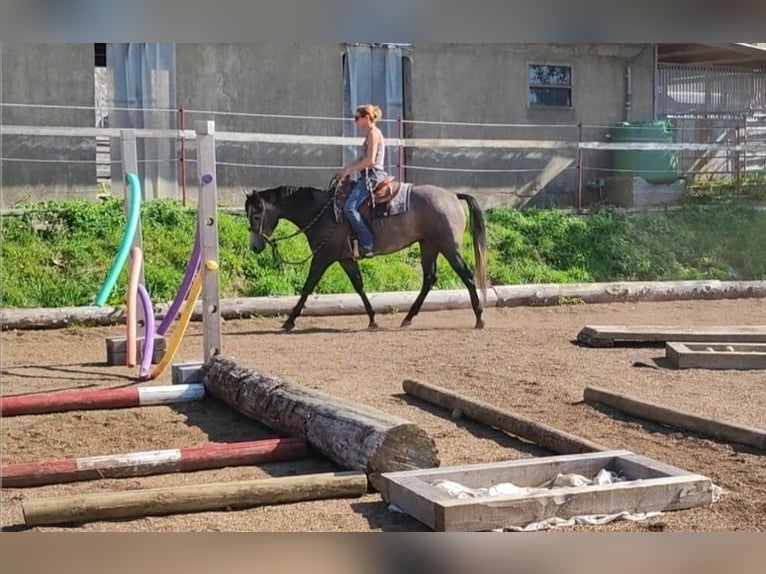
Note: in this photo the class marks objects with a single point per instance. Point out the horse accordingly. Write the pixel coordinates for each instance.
(434, 218)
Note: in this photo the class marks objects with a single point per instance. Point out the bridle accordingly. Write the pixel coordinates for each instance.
(272, 242)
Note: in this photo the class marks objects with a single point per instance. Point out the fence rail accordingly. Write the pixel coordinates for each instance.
(431, 143)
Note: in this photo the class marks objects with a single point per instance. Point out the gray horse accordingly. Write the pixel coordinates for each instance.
(435, 219)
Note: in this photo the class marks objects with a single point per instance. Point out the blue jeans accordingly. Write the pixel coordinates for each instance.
(358, 194)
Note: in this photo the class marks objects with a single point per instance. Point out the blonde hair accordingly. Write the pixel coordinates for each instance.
(371, 111)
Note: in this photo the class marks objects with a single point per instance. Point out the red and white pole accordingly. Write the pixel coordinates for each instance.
(203, 457)
(31, 404)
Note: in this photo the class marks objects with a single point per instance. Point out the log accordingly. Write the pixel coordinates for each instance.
(438, 300)
(125, 397)
(626, 291)
(354, 436)
(707, 426)
(541, 434)
(192, 498)
(187, 459)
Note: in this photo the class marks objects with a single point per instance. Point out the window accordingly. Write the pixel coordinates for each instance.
(549, 86)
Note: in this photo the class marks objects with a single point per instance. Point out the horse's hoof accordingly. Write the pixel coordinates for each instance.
(372, 326)
(288, 326)
(479, 323)
(406, 323)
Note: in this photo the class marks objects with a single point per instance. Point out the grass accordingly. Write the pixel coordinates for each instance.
(58, 253)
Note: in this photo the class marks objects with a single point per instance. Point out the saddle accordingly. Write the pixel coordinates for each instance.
(389, 197)
(373, 206)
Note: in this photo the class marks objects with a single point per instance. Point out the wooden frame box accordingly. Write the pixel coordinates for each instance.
(650, 486)
(718, 355)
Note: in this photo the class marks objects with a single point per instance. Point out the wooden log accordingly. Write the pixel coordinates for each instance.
(187, 459)
(541, 434)
(126, 397)
(356, 437)
(717, 429)
(192, 498)
(438, 300)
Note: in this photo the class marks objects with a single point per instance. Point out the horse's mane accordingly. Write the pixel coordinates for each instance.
(286, 191)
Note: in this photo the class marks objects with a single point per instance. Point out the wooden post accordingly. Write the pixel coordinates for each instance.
(130, 165)
(543, 435)
(207, 222)
(676, 418)
(356, 437)
(192, 498)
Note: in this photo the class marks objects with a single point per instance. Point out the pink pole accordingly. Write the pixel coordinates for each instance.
(202, 457)
(32, 404)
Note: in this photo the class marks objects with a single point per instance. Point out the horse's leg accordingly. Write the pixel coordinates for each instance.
(351, 267)
(428, 257)
(317, 268)
(457, 263)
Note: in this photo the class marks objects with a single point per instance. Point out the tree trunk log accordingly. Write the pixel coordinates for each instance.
(192, 498)
(354, 436)
(542, 435)
(350, 304)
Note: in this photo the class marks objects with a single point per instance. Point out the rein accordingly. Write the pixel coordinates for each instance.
(273, 242)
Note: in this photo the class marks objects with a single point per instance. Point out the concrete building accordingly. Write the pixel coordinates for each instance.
(517, 91)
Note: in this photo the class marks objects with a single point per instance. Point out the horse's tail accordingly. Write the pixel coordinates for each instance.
(479, 236)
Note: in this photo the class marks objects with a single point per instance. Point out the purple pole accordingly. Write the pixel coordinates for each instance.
(183, 290)
(146, 359)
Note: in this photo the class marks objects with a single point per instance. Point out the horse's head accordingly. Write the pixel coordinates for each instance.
(262, 216)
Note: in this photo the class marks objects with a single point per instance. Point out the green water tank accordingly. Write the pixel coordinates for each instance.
(654, 166)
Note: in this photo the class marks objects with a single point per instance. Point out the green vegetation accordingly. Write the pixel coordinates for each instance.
(58, 253)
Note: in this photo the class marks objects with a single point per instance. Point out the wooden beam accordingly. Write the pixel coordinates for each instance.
(186, 459)
(192, 498)
(707, 426)
(543, 435)
(357, 437)
(608, 335)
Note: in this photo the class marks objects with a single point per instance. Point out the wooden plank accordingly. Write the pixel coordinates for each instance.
(543, 435)
(652, 486)
(707, 426)
(716, 355)
(608, 335)
(207, 228)
(192, 498)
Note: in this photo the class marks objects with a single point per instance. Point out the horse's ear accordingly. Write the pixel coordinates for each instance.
(245, 192)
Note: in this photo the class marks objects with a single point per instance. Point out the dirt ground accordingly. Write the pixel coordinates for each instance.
(524, 361)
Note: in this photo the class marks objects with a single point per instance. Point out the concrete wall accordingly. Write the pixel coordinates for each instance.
(447, 82)
(488, 84)
(279, 79)
(47, 74)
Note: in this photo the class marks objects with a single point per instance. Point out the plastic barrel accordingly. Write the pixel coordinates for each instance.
(654, 166)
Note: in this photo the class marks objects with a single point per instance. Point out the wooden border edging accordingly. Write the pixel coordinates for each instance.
(731, 432)
(543, 435)
(438, 300)
(192, 498)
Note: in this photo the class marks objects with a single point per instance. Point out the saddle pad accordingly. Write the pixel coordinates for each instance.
(398, 204)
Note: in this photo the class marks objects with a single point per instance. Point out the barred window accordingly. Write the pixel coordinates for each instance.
(549, 86)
